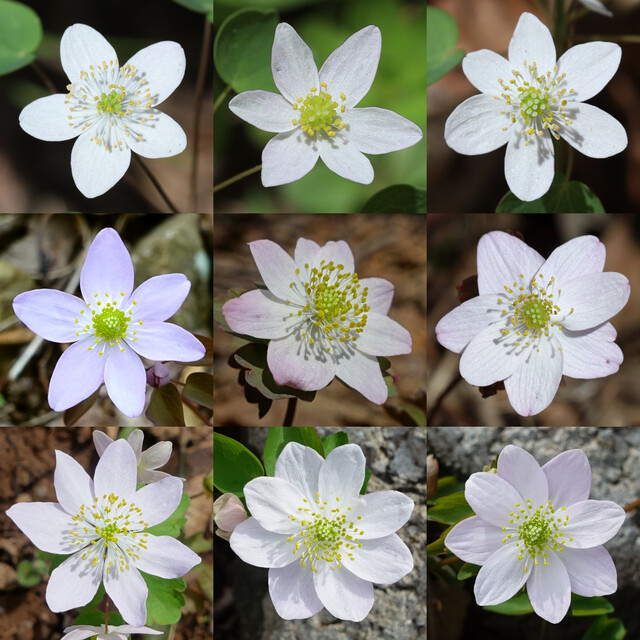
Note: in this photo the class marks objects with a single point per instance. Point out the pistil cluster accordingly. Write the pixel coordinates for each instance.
(319, 112)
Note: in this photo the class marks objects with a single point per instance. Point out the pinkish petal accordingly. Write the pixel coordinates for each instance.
(383, 336)
(305, 251)
(362, 372)
(590, 353)
(577, 257)
(276, 267)
(380, 294)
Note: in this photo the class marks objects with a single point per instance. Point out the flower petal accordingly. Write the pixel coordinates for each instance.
(74, 487)
(94, 168)
(577, 257)
(261, 548)
(549, 589)
(594, 132)
(46, 119)
(455, 330)
(341, 155)
(532, 41)
(116, 471)
(156, 455)
(288, 157)
(569, 477)
(351, 68)
(590, 353)
(382, 561)
(293, 593)
(483, 68)
(342, 593)
(162, 137)
(362, 372)
(128, 590)
(158, 298)
(100, 441)
(50, 313)
(82, 46)
(162, 65)
(475, 126)
(528, 168)
(382, 513)
(263, 109)
(597, 6)
(336, 251)
(532, 387)
(591, 571)
(474, 540)
(294, 70)
(126, 380)
(166, 557)
(271, 501)
(592, 299)
(501, 259)
(305, 251)
(520, 469)
(300, 467)
(159, 500)
(592, 523)
(77, 374)
(342, 473)
(275, 265)
(502, 576)
(589, 67)
(380, 293)
(73, 583)
(383, 336)
(81, 632)
(374, 130)
(166, 341)
(107, 248)
(491, 497)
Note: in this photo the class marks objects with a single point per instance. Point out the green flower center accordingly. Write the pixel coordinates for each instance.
(330, 301)
(110, 103)
(535, 531)
(535, 313)
(110, 324)
(319, 112)
(533, 103)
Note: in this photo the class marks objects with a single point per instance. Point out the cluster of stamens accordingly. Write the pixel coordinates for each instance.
(115, 100)
(331, 303)
(319, 112)
(327, 534)
(537, 100)
(538, 531)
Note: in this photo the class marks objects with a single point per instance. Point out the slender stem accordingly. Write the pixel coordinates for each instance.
(106, 615)
(221, 97)
(51, 88)
(291, 411)
(543, 629)
(438, 402)
(202, 72)
(155, 183)
(195, 410)
(237, 177)
(632, 505)
(569, 163)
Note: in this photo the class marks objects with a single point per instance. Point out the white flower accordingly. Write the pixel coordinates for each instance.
(323, 542)
(111, 107)
(536, 526)
(103, 523)
(535, 320)
(155, 456)
(315, 115)
(121, 632)
(597, 6)
(530, 98)
(228, 513)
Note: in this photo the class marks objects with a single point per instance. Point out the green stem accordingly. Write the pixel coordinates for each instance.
(221, 97)
(237, 177)
(155, 183)
(570, 154)
(291, 411)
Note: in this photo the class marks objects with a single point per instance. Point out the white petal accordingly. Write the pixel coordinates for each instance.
(300, 467)
(276, 267)
(73, 583)
(380, 293)
(46, 119)
(82, 46)
(116, 471)
(101, 441)
(166, 557)
(342, 157)
(528, 168)
(382, 561)
(597, 6)
(476, 126)
(337, 252)
(532, 41)
(293, 593)
(590, 353)
(577, 257)
(491, 497)
(162, 137)
(474, 540)
(569, 477)
(362, 372)
(520, 469)
(351, 68)
(288, 157)
(271, 501)
(594, 132)
(263, 109)
(592, 523)
(128, 590)
(73, 485)
(591, 571)
(342, 473)
(502, 576)
(383, 336)
(549, 589)
(382, 513)
(305, 251)
(95, 170)
(135, 439)
(125, 379)
(589, 67)
(483, 69)
(155, 456)
(261, 548)
(532, 387)
(294, 70)
(342, 593)
(159, 500)
(159, 297)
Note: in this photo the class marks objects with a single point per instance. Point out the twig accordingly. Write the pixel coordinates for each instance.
(197, 412)
(237, 177)
(436, 406)
(51, 88)
(155, 183)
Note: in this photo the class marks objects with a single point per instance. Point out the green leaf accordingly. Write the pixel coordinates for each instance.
(242, 49)
(605, 628)
(442, 37)
(519, 605)
(95, 618)
(199, 6)
(198, 543)
(165, 407)
(20, 35)
(233, 465)
(562, 197)
(449, 509)
(398, 198)
(367, 477)
(164, 600)
(468, 570)
(595, 606)
(174, 523)
(199, 389)
(30, 573)
(279, 437)
(329, 443)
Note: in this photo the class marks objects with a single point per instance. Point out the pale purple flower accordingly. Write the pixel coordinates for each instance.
(110, 326)
(120, 632)
(315, 117)
(323, 542)
(537, 526)
(155, 456)
(322, 320)
(109, 108)
(531, 98)
(535, 320)
(103, 523)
